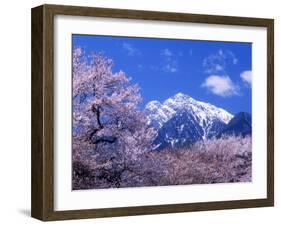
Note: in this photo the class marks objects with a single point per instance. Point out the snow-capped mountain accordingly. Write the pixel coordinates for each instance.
(181, 120)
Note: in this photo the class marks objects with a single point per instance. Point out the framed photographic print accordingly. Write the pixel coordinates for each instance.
(141, 112)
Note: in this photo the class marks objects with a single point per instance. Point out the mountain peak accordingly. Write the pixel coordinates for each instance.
(181, 95)
(178, 100)
(205, 114)
(153, 104)
(181, 101)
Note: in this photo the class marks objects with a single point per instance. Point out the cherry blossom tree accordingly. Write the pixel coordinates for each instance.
(223, 160)
(110, 133)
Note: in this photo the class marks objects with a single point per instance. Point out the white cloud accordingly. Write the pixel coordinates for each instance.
(216, 63)
(170, 68)
(246, 76)
(166, 52)
(219, 67)
(231, 57)
(131, 50)
(221, 86)
(235, 61)
(170, 62)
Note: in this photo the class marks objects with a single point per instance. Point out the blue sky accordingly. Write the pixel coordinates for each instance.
(215, 72)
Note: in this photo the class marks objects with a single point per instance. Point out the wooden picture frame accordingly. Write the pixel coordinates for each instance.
(42, 203)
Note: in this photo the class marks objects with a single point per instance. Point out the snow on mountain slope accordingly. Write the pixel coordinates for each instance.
(158, 114)
(206, 115)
